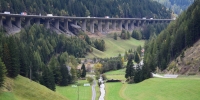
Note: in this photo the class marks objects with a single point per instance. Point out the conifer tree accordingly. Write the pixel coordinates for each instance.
(14, 57)
(65, 76)
(83, 70)
(137, 57)
(7, 59)
(130, 71)
(2, 72)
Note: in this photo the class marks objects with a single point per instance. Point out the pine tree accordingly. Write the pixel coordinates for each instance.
(14, 55)
(65, 76)
(137, 57)
(130, 71)
(7, 59)
(83, 70)
(2, 72)
(48, 79)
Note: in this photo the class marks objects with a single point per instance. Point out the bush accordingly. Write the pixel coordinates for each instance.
(90, 79)
(104, 77)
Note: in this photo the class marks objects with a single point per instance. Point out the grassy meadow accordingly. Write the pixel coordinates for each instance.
(22, 88)
(115, 47)
(85, 93)
(181, 88)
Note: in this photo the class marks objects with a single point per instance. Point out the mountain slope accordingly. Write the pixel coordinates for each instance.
(177, 37)
(188, 62)
(176, 5)
(22, 88)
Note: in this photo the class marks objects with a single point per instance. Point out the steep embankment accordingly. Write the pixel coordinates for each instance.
(188, 62)
(22, 88)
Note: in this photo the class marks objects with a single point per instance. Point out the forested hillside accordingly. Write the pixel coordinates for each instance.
(176, 5)
(170, 43)
(96, 8)
(41, 55)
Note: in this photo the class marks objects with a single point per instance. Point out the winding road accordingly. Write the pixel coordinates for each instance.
(93, 89)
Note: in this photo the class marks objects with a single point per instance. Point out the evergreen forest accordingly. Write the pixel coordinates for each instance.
(179, 35)
(81, 8)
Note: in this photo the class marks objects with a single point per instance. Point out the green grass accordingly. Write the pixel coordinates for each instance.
(115, 47)
(85, 93)
(181, 88)
(112, 91)
(22, 88)
(164, 89)
(116, 72)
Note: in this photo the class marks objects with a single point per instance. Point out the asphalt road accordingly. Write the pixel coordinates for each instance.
(93, 89)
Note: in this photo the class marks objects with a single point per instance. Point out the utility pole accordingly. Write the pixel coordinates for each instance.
(78, 91)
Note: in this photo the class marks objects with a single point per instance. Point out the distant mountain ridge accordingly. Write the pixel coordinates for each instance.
(176, 5)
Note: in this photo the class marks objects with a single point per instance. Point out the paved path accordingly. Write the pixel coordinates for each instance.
(93, 89)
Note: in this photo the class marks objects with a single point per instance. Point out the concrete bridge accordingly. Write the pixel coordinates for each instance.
(100, 24)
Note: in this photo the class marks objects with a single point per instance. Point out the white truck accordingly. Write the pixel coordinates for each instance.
(49, 14)
(6, 12)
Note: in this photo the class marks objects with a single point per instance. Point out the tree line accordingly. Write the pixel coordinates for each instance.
(97, 8)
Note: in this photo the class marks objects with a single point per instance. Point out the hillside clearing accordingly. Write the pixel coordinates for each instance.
(22, 88)
(115, 47)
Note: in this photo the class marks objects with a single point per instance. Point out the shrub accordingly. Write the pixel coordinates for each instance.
(90, 79)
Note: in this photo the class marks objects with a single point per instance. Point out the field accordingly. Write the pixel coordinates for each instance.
(115, 47)
(181, 88)
(22, 88)
(76, 93)
(113, 89)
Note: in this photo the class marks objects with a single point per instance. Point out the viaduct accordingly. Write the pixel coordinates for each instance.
(101, 24)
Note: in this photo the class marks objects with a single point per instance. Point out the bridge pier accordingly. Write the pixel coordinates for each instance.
(18, 22)
(100, 25)
(56, 23)
(92, 26)
(84, 23)
(37, 21)
(137, 23)
(132, 25)
(107, 25)
(66, 24)
(142, 22)
(126, 25)
(75, 22)
(120, 25)
(8, 22)
(1, 22)
(114, 25)
(27, 22)
(46, 23)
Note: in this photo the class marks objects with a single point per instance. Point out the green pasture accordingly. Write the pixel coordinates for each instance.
(182, 88)
(22, 88)
(164, 89)
(76, 93)
(115, 47)
(116, 72)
